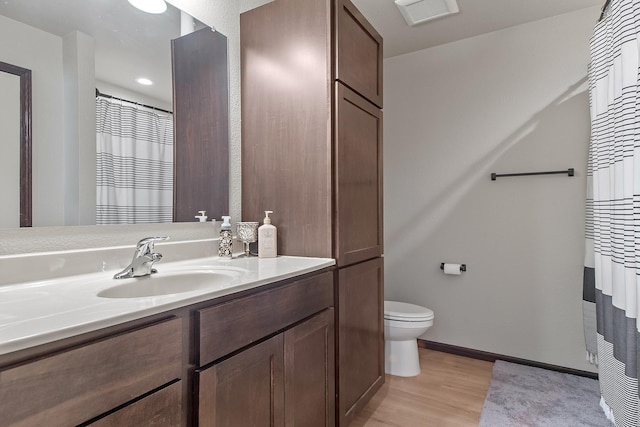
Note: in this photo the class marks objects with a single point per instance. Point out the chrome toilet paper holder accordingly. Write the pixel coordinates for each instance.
(463, 267)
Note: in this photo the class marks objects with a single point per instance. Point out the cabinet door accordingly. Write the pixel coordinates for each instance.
(309, 371)
(358, 165)
(360, 336)
(245, 390)
(359, 52)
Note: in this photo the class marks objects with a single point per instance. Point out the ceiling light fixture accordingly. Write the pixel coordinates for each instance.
(150, 6)
(144, 81)
(418, 11)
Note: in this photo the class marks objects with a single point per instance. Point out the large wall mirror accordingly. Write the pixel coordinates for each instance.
(74, 47)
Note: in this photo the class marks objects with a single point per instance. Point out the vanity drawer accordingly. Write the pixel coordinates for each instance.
(160, 409)
(230, 326)
(74, 386)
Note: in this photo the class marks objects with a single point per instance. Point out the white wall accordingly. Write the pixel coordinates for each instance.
(41, 52)
(510, 101)
(80, 129)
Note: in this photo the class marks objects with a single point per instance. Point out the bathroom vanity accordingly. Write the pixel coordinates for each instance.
(255, 349)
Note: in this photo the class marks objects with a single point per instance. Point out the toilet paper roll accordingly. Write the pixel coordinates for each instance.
(452, 269)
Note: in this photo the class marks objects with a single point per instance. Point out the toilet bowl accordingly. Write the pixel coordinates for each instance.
(403, 324)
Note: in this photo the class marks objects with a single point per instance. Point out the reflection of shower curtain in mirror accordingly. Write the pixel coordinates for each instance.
(134, 164)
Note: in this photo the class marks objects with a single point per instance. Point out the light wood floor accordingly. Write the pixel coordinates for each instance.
(450, 391)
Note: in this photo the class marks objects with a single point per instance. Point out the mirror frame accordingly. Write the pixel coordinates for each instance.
(25, 140)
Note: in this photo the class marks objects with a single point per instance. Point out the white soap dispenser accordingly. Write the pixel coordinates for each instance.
(225, 246)
(267, 238)
(202, 217)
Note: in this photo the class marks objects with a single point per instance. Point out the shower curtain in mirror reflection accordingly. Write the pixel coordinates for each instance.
(134, 170)
(612, 263)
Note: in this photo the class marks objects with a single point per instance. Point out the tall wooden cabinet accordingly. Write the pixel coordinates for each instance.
(312, 152)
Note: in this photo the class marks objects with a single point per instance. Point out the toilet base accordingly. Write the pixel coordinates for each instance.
(401, 358)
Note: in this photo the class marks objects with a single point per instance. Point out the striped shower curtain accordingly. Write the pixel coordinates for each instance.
(612, 264)
(134, 169)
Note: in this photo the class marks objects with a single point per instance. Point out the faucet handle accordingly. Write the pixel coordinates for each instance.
(145, 246)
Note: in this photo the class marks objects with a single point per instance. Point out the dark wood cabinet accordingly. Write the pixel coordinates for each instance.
(259, 357)
(309, 372)
(287, 380)
(311, 144)
(245, 390)
(312, 151)
(359, 52)
(358, 170)
(75, 386)
(230, 326)
(268, 359)
(160, 409)
(287, 122)
(360, 335)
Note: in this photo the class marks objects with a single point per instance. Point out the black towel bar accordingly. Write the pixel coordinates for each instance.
(569, 172)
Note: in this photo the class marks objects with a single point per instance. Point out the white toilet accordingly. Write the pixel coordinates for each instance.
(403, 324)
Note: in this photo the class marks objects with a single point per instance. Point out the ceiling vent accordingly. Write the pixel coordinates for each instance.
(418, 11)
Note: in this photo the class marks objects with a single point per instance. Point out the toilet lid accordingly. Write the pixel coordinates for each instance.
(394, 310)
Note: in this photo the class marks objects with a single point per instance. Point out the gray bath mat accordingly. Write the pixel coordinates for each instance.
(523, 396)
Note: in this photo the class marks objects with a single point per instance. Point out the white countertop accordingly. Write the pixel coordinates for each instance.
(48, 310)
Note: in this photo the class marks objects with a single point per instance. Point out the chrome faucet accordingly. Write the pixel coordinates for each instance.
(143, 259)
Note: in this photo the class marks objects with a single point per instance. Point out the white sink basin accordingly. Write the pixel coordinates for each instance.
(167, 283)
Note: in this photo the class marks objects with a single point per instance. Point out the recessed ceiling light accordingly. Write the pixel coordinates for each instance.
(144, 81)
(150, 6)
